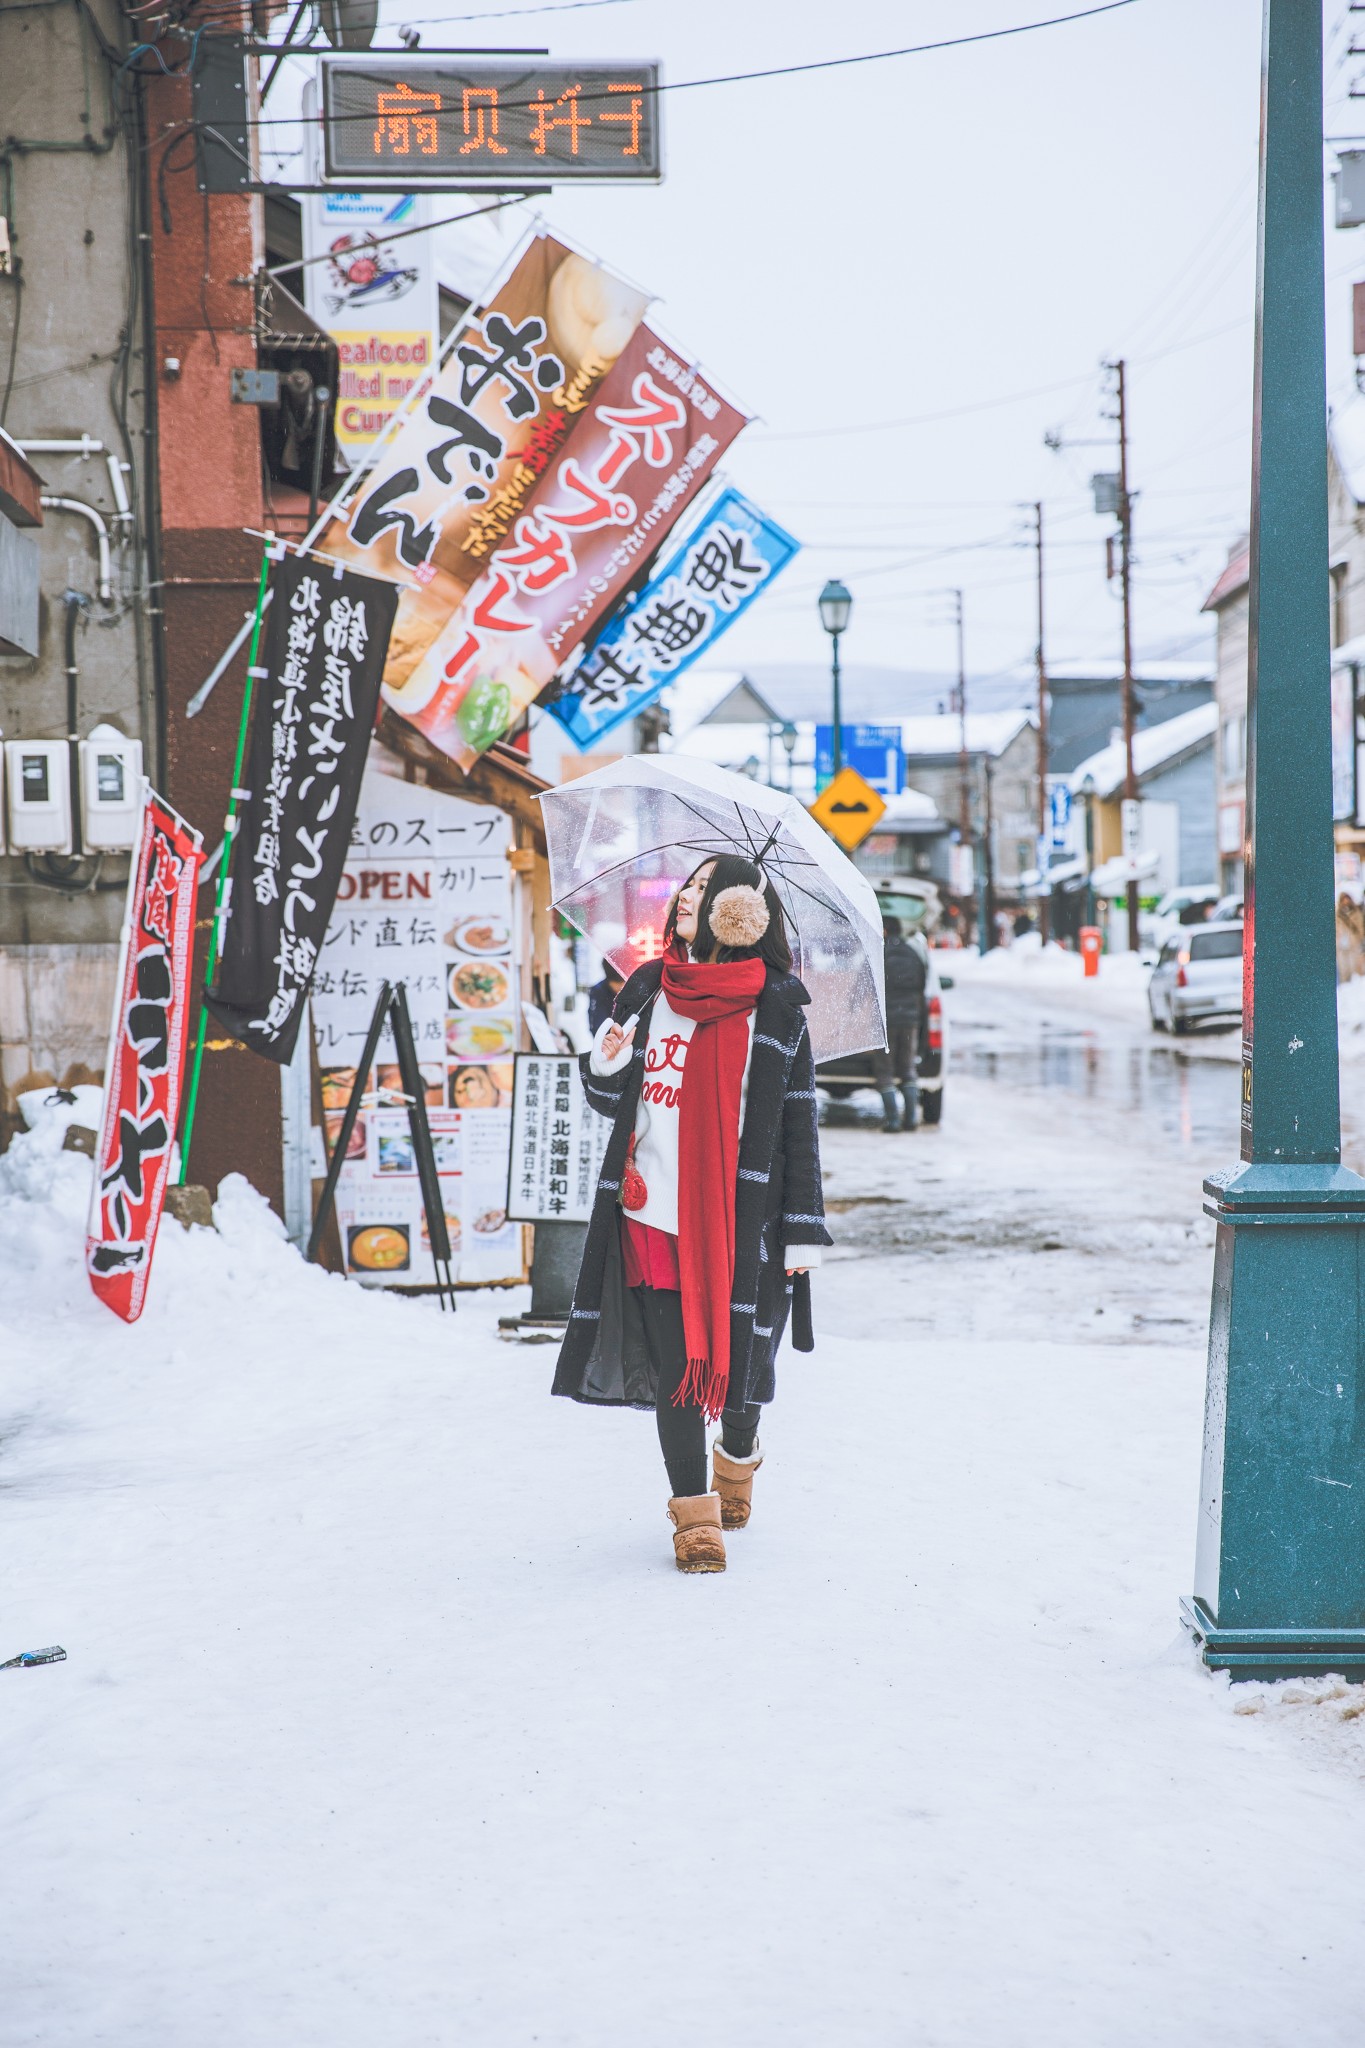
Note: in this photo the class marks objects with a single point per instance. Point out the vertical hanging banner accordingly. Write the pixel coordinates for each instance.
(325, 648)
(638, 457)
(145, 1067)
(695, 594)
(453, 478)
(376, 297)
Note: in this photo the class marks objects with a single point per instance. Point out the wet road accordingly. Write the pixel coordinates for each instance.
(1192, 1099)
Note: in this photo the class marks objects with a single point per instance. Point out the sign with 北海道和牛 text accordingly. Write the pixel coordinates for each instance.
(558, 1142)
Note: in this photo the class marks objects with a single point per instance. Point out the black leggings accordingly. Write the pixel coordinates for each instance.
(682, 1431)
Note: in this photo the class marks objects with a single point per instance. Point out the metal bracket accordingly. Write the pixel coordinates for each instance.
(254, 387)
(220, 115)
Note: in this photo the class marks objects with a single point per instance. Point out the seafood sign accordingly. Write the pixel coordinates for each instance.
(145, 1067)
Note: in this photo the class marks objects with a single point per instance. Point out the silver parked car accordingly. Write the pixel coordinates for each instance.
(1197, 977)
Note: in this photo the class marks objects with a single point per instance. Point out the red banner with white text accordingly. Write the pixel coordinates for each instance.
(145, 1068)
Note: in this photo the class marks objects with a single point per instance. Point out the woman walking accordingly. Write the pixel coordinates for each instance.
(708, 1213)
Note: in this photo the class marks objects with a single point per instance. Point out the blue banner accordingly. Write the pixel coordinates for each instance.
(698, 590)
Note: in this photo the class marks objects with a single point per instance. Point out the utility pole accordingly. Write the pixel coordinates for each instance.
(1125, 510)
(964, 763)
(1045, 900)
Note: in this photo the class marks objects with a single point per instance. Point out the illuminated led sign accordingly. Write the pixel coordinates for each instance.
(504, 124)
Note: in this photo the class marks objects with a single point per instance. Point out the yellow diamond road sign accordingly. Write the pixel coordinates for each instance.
(848, 808)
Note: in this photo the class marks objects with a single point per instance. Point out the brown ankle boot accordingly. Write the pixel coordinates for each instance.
(733, 1480)
(698, 1545)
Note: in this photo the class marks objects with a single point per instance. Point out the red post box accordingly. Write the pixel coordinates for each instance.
(1092, 939)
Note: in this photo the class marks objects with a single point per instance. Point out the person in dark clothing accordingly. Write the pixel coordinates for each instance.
(907, 974)
(602, 996)
(708, 1216)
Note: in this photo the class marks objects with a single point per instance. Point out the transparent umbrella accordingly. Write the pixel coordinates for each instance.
(623, 840)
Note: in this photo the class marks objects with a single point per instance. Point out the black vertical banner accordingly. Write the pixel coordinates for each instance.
(326, 643)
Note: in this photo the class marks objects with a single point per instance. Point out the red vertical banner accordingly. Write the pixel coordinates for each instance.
(146, 1064)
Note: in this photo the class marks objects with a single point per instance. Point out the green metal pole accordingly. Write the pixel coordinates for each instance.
(1280, 1564)
(224, 863)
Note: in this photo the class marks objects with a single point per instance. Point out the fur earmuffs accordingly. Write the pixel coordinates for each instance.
(739, 916)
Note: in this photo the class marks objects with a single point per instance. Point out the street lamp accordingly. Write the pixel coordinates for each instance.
(1088, 792)
(789, 742)
(1279, 1583)
(836, 606)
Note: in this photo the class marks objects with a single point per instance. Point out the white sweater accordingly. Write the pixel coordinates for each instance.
(656, 1120)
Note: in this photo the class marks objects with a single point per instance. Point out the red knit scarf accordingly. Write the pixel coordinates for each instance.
(719, 997)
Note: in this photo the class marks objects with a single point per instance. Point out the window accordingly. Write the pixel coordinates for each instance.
(1216, 946)
(109, 778)
(1234, 745)
(34, 777)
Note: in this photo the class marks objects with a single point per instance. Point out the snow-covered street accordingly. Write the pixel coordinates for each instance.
(387, 1718)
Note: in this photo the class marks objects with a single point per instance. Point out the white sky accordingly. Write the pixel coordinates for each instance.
(944, 235)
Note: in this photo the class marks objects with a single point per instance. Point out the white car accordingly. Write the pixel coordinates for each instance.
(1197, 977)
(1189, 905)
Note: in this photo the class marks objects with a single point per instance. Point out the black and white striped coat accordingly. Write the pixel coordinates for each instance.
(778, 1203)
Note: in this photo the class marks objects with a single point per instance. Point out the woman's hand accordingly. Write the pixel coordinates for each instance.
(615, 1038)
(792, 1271)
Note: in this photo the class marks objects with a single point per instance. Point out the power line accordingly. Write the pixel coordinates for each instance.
(989, 35)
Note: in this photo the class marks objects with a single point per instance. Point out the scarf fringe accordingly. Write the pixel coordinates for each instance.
(702, 1387)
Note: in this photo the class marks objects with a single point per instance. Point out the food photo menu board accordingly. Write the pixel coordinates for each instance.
(425, 899)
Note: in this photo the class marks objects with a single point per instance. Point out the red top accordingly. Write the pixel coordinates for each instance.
(651, 1256)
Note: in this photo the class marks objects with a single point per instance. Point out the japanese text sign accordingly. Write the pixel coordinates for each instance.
(325, 647)
(146, 1061)
(558, 1143)
(694, 596)
(453, 477)
(443, 116)
(636, 459)
(426, 899)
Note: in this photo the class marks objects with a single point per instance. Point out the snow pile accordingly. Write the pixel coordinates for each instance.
(386, 1717)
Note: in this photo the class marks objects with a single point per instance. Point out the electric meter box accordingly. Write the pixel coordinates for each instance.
(111, 790)
(38, 789)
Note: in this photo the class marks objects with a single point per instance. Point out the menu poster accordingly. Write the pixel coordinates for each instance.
(425, 899)
(558, 1143)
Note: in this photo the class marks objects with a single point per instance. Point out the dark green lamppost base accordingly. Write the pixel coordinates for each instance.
(1279, 1583)
(1282, 1498)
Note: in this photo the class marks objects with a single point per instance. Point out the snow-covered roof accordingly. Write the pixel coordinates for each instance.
(1154, 746)
(695, 695)
(1234, 578)
(1346, 433)
(1107, 671)
(912, 807)
(988, 732)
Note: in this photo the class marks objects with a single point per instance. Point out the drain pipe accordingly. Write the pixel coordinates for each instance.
(74, 602)
(79, 507)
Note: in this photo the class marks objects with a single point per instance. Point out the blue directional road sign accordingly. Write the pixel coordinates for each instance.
(874, 750)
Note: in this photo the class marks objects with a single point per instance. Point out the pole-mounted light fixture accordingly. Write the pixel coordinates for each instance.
(836, 608)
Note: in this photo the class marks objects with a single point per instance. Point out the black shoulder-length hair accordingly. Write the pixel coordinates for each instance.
(730, 872)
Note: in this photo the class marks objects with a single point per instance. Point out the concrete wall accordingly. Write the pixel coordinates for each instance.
(69, 225)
